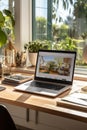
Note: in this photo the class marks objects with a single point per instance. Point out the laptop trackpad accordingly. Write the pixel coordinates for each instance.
(32, 89)
(41, 91)
(25, 87)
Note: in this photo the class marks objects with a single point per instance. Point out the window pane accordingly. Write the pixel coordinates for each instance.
(3, 4)
(40, 22)
(69, 25)
(41, 4)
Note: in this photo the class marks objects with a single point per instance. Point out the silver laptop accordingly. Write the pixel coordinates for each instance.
(53, 75)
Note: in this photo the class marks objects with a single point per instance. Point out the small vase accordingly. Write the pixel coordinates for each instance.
(33, 58)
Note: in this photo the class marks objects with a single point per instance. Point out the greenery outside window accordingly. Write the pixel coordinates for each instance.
(64, 22)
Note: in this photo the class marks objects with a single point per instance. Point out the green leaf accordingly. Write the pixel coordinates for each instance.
(2, 19)
(3, 38)
(9, 14)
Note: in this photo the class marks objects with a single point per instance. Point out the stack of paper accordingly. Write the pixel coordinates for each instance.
(76, 101)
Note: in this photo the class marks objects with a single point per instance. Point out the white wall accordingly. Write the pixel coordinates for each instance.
(23, 25)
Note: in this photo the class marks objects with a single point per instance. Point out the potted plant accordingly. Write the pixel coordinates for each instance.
(34, 46)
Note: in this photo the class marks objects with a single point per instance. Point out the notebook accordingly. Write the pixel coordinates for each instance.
(53, 74)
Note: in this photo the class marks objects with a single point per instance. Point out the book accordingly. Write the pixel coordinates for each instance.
(76, 101)
(16, 79)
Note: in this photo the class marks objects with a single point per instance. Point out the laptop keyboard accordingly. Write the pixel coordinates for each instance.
(46, 85)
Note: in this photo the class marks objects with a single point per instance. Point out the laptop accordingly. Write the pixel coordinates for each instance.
(53, 74)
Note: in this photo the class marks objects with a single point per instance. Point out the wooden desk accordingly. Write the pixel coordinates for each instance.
(44, 104)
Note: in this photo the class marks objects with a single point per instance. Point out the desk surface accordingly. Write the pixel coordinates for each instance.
(42, 103)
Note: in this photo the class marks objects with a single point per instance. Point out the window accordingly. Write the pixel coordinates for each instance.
(62, 22)
(42, 19)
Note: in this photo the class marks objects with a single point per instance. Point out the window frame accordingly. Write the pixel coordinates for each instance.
(78, 70)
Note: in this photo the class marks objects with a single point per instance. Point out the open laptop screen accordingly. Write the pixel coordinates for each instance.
(55, 66)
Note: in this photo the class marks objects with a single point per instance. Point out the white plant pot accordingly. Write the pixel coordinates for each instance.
(33, 58)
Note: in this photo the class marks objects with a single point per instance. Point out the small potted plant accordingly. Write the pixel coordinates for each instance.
(34, 46)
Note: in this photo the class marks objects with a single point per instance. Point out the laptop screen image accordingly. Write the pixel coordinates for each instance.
(57, 66)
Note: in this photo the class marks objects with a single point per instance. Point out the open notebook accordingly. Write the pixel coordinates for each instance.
(53, 75)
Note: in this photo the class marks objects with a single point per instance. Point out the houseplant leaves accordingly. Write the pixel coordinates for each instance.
(3, 38)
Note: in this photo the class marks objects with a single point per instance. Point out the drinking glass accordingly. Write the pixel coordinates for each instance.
(6, 66)
(1, 65)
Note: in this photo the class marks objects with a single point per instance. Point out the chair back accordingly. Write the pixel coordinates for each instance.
(6, 121)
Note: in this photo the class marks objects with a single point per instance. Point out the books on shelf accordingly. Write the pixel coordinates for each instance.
(16, 79)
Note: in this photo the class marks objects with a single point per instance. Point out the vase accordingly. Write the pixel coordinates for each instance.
(33, 58)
